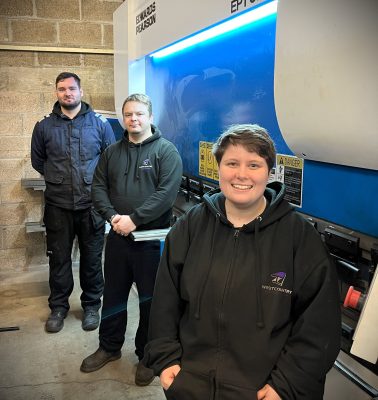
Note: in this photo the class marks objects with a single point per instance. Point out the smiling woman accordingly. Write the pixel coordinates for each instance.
(243, 171)
(244, 245)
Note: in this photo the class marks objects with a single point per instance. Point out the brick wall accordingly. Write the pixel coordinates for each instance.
(27, 82)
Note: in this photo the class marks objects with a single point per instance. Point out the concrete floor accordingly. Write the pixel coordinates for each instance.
(35, 365)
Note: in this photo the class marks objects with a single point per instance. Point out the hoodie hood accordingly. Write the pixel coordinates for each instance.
(156, 134)
(276, 208)
(85, 108)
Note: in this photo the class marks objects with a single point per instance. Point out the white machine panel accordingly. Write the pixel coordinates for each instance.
(154, 24)
(365, 340)
(326, 86)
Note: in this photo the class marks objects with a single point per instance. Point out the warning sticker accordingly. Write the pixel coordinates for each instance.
(289, 170)
(209, 161)
(202, 158)
(207, 164)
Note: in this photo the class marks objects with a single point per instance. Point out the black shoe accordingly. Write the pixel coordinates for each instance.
(91, 319)
(98, 359)
(143, 375)
(55, 321)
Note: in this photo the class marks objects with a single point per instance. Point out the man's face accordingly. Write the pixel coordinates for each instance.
(68, 93)
(137, 121)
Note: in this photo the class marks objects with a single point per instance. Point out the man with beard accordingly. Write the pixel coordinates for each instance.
(65, 148)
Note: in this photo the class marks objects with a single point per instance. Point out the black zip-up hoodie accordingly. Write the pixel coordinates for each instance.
(138, 179)
(239, 308)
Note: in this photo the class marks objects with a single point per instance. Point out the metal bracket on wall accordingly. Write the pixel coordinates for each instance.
(48, 49)
(35, 184)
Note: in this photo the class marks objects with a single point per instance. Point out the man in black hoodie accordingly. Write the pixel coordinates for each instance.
(65, 149)
(134, 187)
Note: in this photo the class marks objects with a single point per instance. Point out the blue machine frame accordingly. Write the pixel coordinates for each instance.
(198, 92)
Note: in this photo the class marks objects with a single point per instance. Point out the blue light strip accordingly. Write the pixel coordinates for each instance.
(227, 26)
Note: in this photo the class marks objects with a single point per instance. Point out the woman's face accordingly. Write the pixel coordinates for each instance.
(243, 177)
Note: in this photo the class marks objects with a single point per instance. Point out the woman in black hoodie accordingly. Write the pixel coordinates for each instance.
(246, 303)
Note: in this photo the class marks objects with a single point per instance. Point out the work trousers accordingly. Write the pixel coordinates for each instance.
(127, 261)
(61, 228)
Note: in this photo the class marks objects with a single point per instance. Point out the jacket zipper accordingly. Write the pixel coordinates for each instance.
(221, 313)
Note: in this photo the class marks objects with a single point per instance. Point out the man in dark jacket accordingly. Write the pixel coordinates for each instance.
(65, 149)
(134, 187)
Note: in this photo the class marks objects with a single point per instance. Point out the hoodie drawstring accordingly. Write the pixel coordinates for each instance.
(127, 167)
(213, 385)
(260, 316)
(197, 313)
(127, 159)
(138, 158)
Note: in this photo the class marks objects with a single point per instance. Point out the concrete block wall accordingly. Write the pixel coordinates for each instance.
(27, 83)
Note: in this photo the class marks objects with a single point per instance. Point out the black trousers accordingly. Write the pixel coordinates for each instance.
(126, 262)
(61, 228)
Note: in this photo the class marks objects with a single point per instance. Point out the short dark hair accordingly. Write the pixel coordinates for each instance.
(253, 137)
(140, 98)
(65, 75)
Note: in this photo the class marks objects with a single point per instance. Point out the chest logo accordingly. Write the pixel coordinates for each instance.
(278, 278)
(146, 164)
(277, 281)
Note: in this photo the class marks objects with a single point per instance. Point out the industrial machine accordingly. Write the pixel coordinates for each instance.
(306, 71)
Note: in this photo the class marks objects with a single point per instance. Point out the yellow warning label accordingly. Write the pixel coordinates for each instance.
(202, 158)
(289, 170)
(209, 161)
(207, 164)
(289, 161)
(216, 173)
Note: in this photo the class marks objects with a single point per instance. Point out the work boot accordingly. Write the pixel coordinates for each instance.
(91, 319)
(98, 359)
(143, 375)
(55, 321)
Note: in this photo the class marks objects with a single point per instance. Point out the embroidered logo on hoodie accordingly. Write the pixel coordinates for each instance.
(146, 164)
(278, 279)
